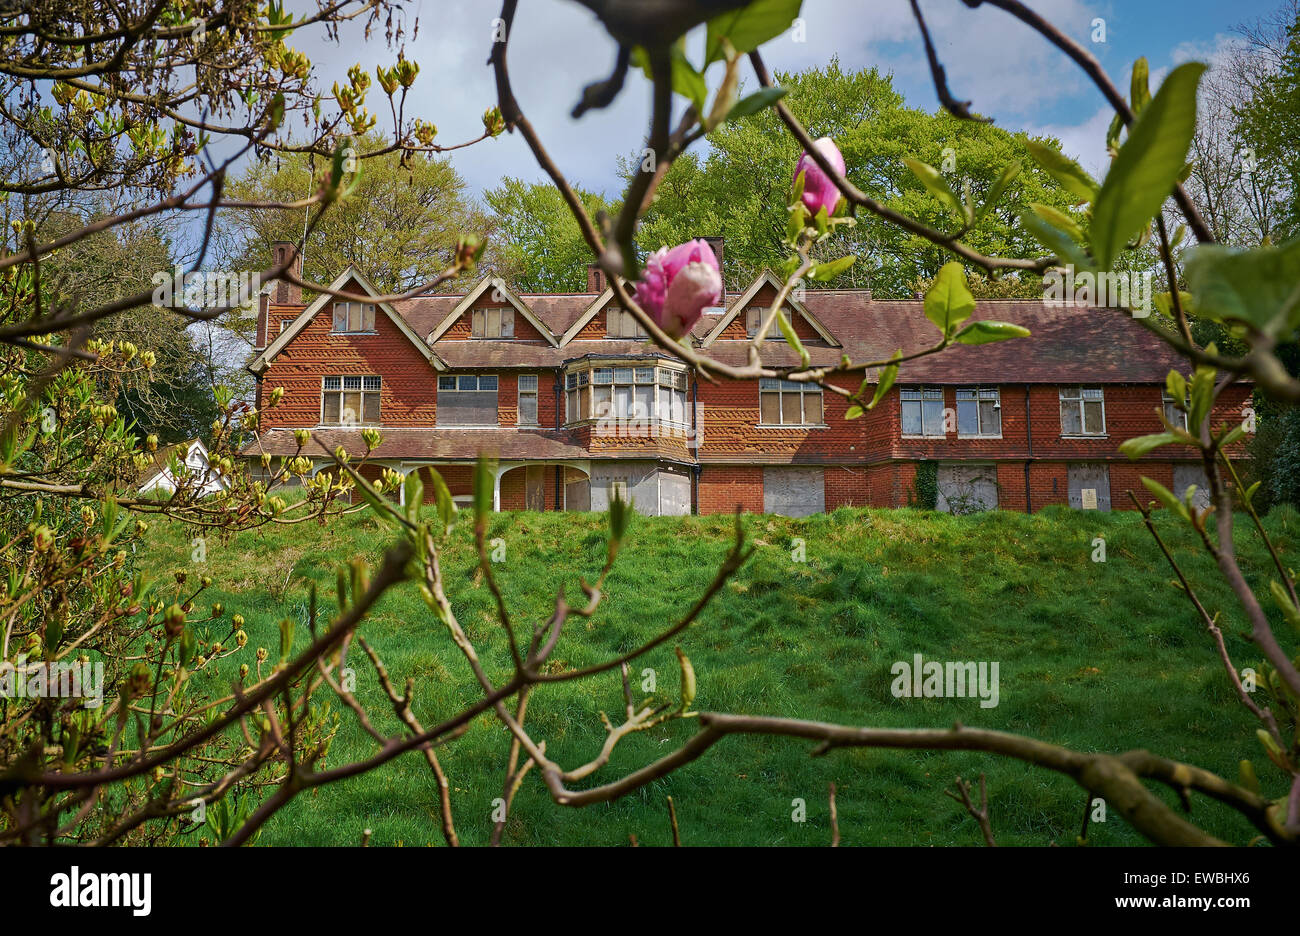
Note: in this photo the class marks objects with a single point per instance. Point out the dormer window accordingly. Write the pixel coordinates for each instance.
(354, 317)
(493, 323)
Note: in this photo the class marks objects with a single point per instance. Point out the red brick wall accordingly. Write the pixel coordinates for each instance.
(407, 395)
(847, 486)
(730, 427)
(724, 487)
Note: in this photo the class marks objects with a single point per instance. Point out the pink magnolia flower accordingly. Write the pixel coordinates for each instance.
(819, 190)
(678, 284)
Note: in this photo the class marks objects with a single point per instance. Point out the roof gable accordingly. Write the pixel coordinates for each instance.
(510, 298)
(766, 278)
(354, 275)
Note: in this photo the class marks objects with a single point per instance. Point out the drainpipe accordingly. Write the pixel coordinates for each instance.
(1029, 437)
(695, 468)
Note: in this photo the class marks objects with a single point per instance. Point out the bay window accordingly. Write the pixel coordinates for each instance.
(641, 392)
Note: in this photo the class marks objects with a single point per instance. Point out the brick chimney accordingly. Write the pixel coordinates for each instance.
(595, 278)
(282, 291)
(717, 244)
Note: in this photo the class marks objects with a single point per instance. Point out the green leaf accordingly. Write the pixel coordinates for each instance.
(751, 104)
(619, 514)
(749, 27)
(1059, 220)
(685, 79)
(1283, 601)
(1176, 387)
(1202, 398)
(286, 638)
(831, 269)
(854, 412)
(1144, 172)
(985, 332)
(787, 330)
(442, 498)
(1055, 240)
(948, 301)
(997, 188)
(1251, 287)
(413, 495)
(483, 484)
(887, 377)
(1139, 94)
(1137, 447)
(933, 180)
(1064, 170)
(1166, 497)
(688, 679)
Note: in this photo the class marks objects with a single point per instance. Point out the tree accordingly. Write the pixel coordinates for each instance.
(741, 187)
(537, 245)
(400, 225)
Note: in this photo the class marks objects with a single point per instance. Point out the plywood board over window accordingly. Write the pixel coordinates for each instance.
(1088, 483)
(794, 491)
(493, 323)
(965, 489)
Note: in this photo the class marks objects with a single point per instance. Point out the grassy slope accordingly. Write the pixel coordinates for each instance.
(1093, 655)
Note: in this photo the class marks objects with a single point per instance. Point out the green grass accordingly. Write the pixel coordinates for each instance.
(1098, 656)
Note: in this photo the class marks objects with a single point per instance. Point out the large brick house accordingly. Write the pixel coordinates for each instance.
(574, 403)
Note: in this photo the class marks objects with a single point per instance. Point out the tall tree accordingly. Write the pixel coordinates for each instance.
(399, 226)
(537, 245)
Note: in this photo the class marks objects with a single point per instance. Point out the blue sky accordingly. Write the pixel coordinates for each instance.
(1009, 72)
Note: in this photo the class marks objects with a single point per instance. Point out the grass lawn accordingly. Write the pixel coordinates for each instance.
(1095, 655)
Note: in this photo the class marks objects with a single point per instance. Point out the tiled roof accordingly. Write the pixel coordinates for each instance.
(504, 444)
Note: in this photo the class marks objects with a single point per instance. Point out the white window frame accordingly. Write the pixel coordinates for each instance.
(921, 396)
(617, 384)
(1066, 396)
(367, 385)
(535, 393)
(492, 323)
(363, 311)
(620, 324)
(1176, 417)
(980, 395)
(772, 385)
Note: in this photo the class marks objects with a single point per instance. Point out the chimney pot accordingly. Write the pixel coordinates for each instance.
(595, 278)
(717, 244)
(284, 292)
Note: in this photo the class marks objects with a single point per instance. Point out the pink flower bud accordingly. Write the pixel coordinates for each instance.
(678, 284)
(819, 190)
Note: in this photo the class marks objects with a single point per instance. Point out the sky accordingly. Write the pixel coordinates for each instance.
(1009, 72)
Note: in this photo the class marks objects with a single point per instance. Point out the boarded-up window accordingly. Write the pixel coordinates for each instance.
(620, 323)
(965, 489)
(493, 323)
(354, 316)
(350, 401)
(789, 403)
(794, 492)
(467, 400)
(1187, 475)
(1089, 485)
(528, 399)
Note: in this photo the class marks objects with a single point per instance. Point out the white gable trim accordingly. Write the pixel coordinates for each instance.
(306, 315)
(472, 296)
(600, 302)
(763, 279)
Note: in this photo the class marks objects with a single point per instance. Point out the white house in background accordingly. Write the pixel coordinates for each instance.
(194, 456)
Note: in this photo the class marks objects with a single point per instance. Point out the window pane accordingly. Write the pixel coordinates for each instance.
(351, 383)
(602, 375)
(487, 382)
(476, 323)
(911, 416)
(527, 383)
(679, 406)
(507, 323)
(572, 406)
(467, 382)
(369, 320)
(812, 408)
(601, 402)
(570, 381)
(622, 375)
(528, 409)
(331, 411)
(767, 383)
(643, 403)
(1070, 393)
(370, 383)
(372, 408)
(446, 383)
(351, 409)
(622, 401)
(1070, 421)
(584, 411)
(967, 416)
(333, 383)
(790, 411)
(1092, 418)
(770, 407)
(933, 415)
(645, 375)
(340, 316)
(906, 394)
(990, 418)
